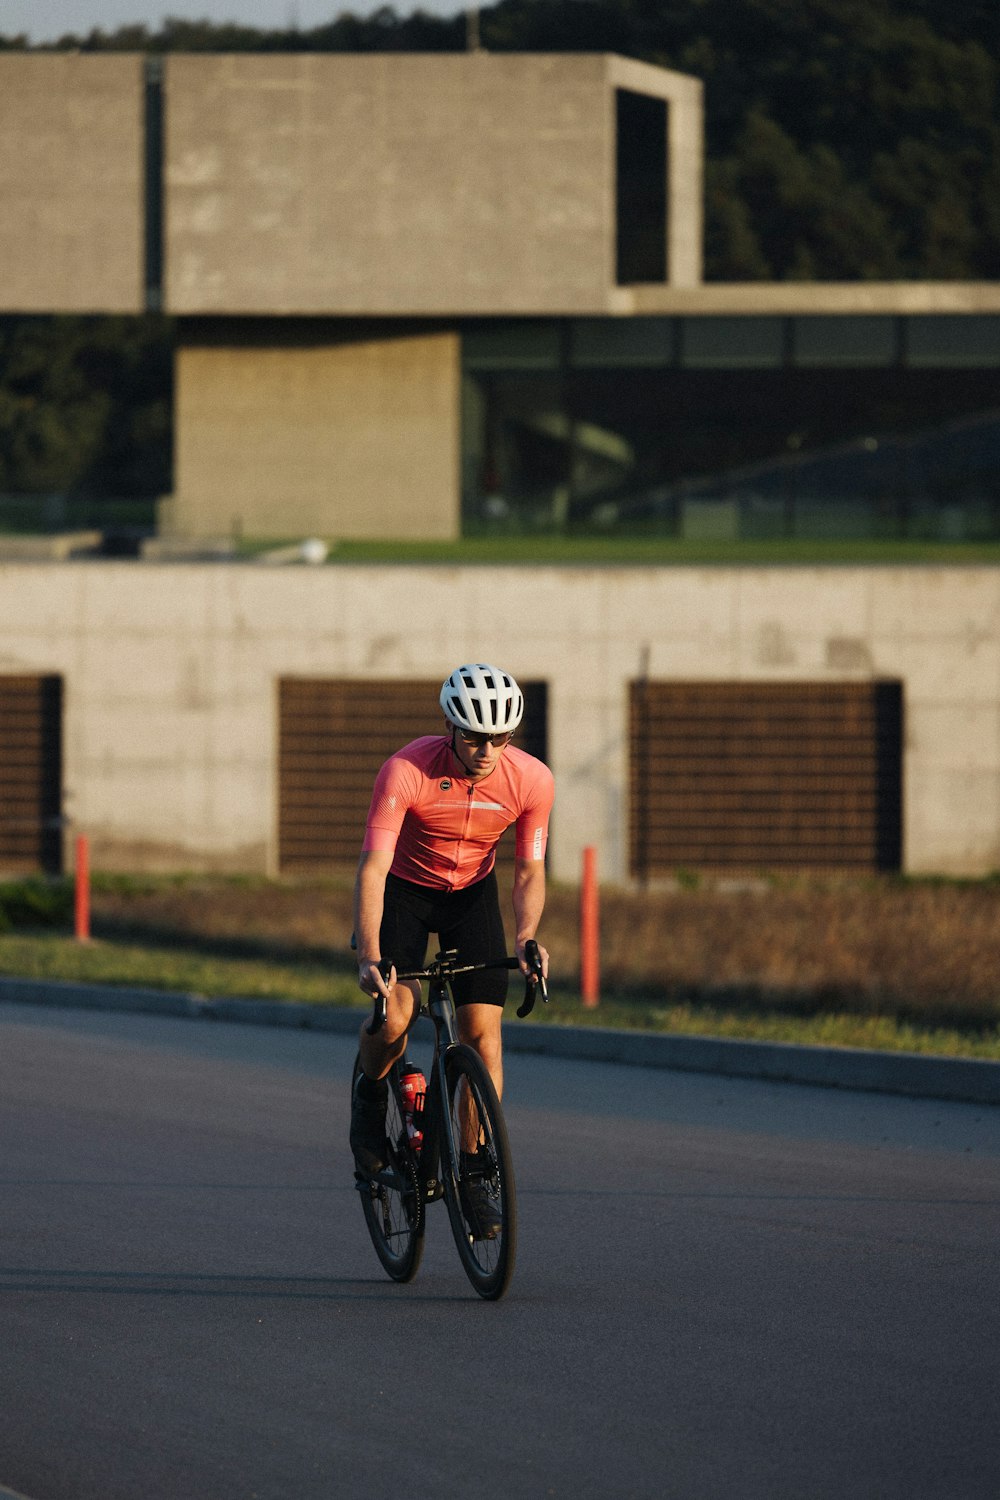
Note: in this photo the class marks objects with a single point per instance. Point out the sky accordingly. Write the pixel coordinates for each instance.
(47, 20)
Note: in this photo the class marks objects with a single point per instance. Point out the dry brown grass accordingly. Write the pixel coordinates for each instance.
(926, 952)
(917, 951)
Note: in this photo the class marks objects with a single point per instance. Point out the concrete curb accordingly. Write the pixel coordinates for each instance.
(966, 1080)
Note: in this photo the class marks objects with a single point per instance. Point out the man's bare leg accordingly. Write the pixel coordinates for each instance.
(479, 1028)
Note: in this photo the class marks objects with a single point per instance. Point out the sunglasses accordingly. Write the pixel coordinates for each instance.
(470, 737)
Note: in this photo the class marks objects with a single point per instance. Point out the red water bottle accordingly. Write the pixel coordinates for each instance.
(413, 1086)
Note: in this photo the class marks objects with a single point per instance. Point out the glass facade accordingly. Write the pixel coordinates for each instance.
(734, 427)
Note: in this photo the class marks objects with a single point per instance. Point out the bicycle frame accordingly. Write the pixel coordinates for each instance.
(439, 1008)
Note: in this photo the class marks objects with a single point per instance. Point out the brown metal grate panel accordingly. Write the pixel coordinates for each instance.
(333, 736)
(31, 774)
(765, 775)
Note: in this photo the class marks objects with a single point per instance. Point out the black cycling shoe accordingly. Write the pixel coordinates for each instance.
(368, 1140)
(482, 1212)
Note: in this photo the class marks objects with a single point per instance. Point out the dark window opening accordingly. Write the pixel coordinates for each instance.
(154, 183)
(641, 188)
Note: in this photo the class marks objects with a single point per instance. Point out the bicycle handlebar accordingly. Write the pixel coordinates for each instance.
(535, 983)
(378, 1001)
(445, 967)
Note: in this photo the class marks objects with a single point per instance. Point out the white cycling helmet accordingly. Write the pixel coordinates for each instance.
(482, 699)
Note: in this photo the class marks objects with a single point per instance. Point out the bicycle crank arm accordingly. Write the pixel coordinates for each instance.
(386, 1179)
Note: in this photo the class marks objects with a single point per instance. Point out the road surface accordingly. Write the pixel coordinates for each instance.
(724, 1287)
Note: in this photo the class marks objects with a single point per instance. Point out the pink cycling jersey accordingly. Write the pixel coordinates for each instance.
(443, 826)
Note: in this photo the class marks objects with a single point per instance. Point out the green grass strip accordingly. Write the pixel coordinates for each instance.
(64, 960)
(650, 550)
(120, 964)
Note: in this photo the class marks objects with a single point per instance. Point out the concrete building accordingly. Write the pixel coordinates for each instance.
(292, 201)
(416, 295)
(72, 183)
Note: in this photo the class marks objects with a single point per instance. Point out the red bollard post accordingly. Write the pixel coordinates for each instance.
(82, 890)
(590, 963)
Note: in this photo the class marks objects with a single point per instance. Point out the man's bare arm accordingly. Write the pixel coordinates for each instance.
(529, 903)
(369, 897)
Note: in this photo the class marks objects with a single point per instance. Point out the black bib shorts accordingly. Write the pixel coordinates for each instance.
(468, 920)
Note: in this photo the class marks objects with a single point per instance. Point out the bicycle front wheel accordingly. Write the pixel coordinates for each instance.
(482, 1204)
(392, 1201)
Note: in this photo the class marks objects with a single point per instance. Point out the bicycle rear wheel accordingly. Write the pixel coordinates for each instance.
(482, 1204)
(392, 1201)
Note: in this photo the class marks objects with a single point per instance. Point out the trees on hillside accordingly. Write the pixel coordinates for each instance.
(85, 406)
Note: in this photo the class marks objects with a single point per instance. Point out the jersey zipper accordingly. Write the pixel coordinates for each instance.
(470, 793)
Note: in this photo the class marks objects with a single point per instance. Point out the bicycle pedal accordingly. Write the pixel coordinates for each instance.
(434, 1190)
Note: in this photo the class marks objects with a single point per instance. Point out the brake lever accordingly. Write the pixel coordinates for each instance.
(378, 1005)
(535, 984)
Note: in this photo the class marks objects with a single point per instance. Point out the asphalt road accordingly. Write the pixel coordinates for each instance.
(724, 1287)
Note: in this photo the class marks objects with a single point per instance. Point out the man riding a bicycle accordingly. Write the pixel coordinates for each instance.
(438, 809)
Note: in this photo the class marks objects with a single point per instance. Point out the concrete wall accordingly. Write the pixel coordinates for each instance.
(171, 670)
(398, 184)
(71, 183)
(302, 430)
(811, 298)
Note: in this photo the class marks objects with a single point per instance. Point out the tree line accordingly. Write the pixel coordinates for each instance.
(845, 140)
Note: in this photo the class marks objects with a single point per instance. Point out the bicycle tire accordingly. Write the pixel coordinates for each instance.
(488, 1262)
(392, 1202)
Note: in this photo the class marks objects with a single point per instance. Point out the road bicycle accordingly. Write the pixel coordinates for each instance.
(456, 1147)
